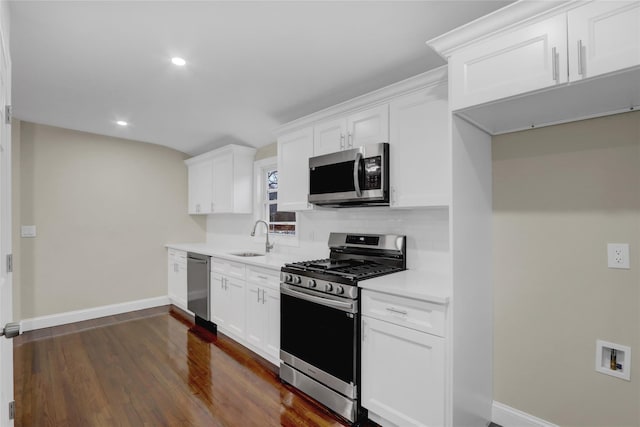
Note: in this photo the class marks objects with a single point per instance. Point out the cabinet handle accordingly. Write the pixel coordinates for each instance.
(211, 207)
(364, 330)
(350, 140)
(342, 141)
(395, 310)
(263, 277)
(554, 65)
(258, 295)
(580, 58)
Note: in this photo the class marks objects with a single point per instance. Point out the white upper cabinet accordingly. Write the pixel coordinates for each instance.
(329, 136)
(221, 181)
(294, 150)
(533, 64)
(368, 126)
(604, 36)
(200, 186)
(522, 60)
(222, 195)
(419, 158)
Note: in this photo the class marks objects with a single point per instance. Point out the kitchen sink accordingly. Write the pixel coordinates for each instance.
(246, 254)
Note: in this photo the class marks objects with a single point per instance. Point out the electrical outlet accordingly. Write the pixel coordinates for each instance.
(618, 255)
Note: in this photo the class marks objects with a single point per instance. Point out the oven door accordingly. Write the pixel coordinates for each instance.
(319, 337)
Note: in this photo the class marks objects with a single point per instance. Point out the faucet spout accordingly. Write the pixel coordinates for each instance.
(267, 246)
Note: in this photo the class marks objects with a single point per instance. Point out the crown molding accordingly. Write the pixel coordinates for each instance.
(502, 19)
(370, 99)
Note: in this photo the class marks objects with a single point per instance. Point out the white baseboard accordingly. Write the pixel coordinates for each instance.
(507, 416)
(90, 313)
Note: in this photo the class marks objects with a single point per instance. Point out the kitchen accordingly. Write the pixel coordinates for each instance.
(429, 245)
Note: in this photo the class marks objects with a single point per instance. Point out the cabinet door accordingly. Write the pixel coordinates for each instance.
(604, 36)
(222, 183)
(200, 191)
(235, 309)
(172, 274)
(294, 150)
(329, 136)
(271, 301)
(219, 301)
(420, 161)
(368, 127)
(419, 374)
(255, 325)
(525, 59)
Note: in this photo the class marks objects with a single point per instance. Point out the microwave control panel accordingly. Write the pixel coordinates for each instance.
(372, 173)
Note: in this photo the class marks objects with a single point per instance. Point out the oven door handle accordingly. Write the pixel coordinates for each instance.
(312, 298)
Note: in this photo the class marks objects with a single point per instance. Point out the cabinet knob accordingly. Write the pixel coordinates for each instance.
(328, 287)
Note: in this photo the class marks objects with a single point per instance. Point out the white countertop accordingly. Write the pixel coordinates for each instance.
(271, 260)
(416, 284)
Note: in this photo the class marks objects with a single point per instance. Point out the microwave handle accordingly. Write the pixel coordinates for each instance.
(356, 180)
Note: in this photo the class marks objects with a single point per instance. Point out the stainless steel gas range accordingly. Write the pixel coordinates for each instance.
(320, 317)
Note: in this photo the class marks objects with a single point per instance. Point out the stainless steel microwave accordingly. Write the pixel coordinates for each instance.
(355, 177)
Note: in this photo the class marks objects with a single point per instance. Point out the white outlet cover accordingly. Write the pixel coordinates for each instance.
(618, 255)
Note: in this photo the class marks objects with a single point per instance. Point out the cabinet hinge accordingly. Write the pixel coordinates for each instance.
(9, 263)
(7, 114)
(12, 409)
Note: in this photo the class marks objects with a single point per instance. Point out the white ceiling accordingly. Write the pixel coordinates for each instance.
(251, 66)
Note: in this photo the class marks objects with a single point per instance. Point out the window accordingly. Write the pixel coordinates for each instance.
(281, 223)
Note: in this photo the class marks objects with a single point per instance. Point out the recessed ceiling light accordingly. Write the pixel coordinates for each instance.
(178, 61)
(122, 123)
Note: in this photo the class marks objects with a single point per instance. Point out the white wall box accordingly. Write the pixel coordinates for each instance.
(411, 114)
(177, 278)
(263, 312)
(576, 59)
(227, 297)
(405, 391)
(221, 181)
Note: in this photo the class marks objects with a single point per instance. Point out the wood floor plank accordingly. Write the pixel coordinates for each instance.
(151, 368)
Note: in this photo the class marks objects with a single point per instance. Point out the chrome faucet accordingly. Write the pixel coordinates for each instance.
(268, 246)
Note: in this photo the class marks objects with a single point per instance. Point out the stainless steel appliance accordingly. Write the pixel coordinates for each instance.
(320, 317)
(355, 177)
(198, 289)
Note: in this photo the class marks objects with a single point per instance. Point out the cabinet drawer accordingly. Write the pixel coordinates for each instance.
(420, 315)
(228, 268)
(263, 276)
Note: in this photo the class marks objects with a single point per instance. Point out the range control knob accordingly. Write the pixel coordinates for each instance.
(287, 278)
(297, 280)
(311, 283)
(328, 287)
(339, 290)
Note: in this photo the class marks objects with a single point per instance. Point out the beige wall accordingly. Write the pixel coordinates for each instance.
(267, 151)
(561, 194)
(104, 208)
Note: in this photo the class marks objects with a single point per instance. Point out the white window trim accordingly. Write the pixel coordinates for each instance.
(259, 171)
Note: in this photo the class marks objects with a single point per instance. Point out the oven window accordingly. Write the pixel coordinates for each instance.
(322, 336)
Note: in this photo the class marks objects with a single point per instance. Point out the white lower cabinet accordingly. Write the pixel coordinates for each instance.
(263, 312)
(177, 278)
(403, 371)
(227, 296)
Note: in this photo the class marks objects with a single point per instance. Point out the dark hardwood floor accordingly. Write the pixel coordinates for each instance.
(150, 368)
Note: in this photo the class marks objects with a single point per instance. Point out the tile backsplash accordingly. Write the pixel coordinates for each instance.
(427, 232)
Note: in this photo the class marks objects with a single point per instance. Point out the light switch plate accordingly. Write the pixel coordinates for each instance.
(28, 231)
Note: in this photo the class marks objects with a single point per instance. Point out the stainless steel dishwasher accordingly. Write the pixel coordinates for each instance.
(199, 289)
